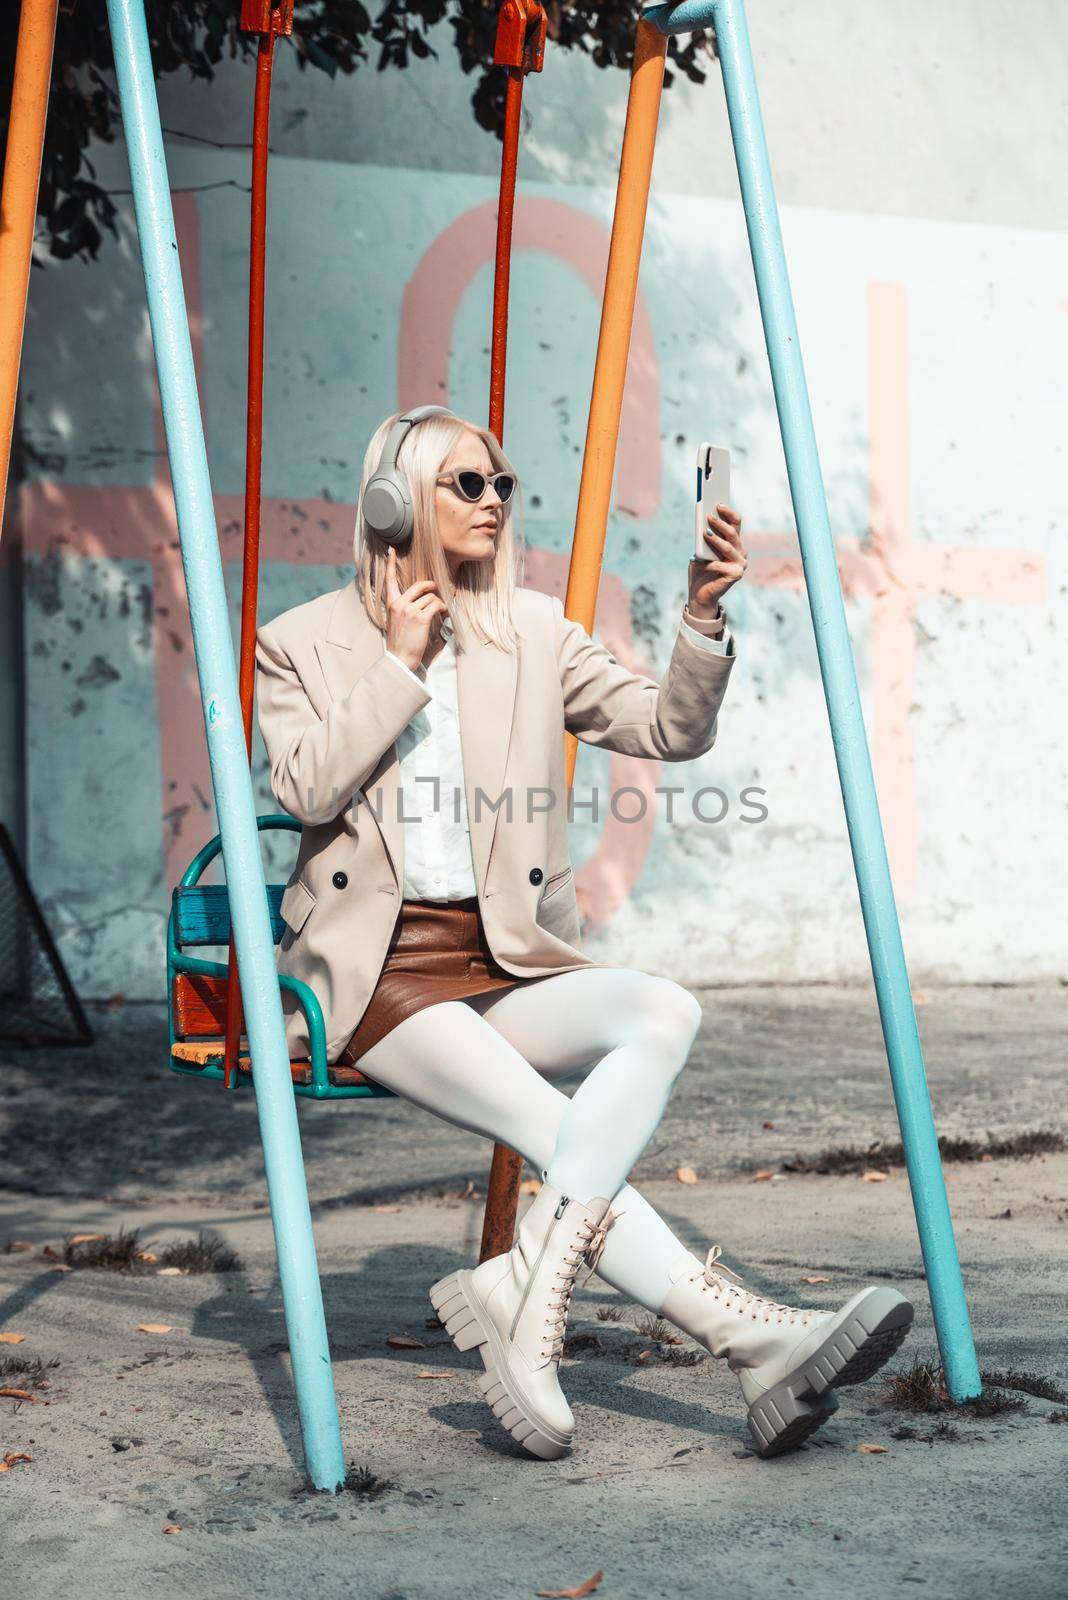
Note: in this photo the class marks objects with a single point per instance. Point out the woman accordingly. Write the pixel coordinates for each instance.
(414, 721)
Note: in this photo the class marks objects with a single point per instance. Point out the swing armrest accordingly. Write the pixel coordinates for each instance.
(199, 966)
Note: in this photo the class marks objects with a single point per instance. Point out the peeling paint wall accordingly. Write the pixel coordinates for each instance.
(931, 287)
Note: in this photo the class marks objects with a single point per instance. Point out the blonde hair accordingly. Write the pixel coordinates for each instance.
(480, 600)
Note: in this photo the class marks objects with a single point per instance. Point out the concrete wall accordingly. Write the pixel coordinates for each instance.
(928, 242)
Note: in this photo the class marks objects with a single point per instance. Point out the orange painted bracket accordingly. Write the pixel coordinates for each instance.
(261, 16)
(521, 29)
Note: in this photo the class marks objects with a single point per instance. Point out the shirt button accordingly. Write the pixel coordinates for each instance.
(536, 874)
(340, 880)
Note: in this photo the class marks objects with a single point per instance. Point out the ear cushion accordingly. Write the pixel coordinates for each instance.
(387, 508)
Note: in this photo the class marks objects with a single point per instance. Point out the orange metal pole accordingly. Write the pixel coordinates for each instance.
(18, 203)
(513, 107)
(602, 438)
(520, 47)
(613, 344)
(269, 20)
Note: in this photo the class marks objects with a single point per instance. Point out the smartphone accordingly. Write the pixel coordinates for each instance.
(713, 485)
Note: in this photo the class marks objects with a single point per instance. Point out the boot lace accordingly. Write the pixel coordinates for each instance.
(586, 1245)
(736, 1297)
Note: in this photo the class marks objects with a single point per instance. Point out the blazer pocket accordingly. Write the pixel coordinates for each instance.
(296, 905)
(557, 881)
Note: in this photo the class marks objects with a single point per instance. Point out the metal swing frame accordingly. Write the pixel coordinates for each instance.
(249, 900)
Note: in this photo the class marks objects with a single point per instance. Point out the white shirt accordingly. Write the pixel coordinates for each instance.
(438, 864)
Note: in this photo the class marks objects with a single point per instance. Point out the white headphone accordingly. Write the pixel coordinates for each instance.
(387, 499)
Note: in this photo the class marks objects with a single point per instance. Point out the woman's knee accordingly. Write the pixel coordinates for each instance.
(672, 1015)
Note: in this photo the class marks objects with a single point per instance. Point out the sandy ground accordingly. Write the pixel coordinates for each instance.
(197, 1427)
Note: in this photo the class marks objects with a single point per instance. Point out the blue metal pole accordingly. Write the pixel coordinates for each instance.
(232, 782)
(896, 1010)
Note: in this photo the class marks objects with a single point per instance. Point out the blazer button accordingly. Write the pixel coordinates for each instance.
(340, 880)
(536, 874)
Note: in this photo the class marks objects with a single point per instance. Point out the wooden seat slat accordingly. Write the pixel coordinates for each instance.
(202, 913)
(210, 1053)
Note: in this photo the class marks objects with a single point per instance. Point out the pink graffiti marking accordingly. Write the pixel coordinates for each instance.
(893, 573)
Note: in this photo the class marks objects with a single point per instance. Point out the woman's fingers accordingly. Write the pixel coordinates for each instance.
(729, 533)
(414, 591)
(724, 533)
(420, 590)
(728, 530)
(727, 546)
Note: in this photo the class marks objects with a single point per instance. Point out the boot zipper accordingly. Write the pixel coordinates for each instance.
(565, 1201)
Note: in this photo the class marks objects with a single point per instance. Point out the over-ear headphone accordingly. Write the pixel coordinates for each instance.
(387, 499)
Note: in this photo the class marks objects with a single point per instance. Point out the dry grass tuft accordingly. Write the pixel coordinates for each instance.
(365, 1483)
(201, 1254)
(683, 1358)
(124, 1252)
(1027, 1383)
(942, 1432)
(111, 1254)
(650, 1326)
(921, 1389)
(31, 1367)
(853, 1159)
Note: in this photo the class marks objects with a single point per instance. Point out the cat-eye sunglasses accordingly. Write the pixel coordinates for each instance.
(471, 485)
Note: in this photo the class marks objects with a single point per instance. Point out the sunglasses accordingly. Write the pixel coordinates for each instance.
(471, 485)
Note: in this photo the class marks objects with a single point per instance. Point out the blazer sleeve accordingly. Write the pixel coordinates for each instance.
(318, 763)
(608, 706)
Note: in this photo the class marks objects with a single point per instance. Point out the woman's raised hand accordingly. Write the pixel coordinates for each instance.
(726, 562)
(410, 615)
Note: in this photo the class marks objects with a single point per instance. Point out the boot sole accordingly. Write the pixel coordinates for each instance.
(852, 1352)
(470, 1328)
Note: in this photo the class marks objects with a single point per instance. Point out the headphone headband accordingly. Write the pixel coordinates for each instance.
(401, 429)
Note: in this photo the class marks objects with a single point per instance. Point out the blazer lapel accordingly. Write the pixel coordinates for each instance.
(486, 687)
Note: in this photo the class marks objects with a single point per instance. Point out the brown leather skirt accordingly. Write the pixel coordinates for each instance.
(437, 952)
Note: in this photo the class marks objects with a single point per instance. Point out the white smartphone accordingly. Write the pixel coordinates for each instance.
(713, 485)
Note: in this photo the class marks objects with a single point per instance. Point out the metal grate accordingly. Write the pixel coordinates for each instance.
(38, 1005)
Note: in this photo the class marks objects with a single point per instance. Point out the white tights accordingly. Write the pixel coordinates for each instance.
(486, 1064)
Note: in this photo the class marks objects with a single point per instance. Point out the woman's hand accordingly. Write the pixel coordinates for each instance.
(410, 616)
(710, 579)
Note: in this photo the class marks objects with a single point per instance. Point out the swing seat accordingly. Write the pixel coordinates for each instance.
(196, 988)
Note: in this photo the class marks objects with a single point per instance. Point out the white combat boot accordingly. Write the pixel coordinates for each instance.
(788, 1359)
(513, 1309)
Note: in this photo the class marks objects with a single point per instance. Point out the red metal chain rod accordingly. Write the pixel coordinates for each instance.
(520, 47)
(269, 21)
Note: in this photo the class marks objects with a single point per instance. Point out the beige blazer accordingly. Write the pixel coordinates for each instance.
(331, 704)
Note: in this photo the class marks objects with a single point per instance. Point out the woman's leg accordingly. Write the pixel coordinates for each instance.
(468, 1061)
(635, 1029)
(558, 1024)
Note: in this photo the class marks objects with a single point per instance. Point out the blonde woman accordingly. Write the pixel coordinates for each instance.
(414, 722)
